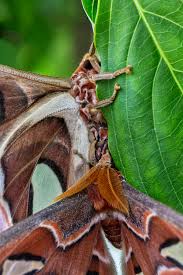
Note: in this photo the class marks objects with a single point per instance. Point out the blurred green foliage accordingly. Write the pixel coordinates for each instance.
(44, 36)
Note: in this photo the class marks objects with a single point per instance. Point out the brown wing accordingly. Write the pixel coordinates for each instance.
(47, 142)
(62, 239)
(101, 262)
(152, 236)
(40, 123)
(18, 91)
(35, 119)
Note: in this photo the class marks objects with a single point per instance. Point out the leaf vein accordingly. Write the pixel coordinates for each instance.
(158, 143)
(140, 10)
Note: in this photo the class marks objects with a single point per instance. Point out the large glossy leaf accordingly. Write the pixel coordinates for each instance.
(90, 7)
(145, 122)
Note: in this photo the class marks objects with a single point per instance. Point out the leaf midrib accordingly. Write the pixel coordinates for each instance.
(141, 13)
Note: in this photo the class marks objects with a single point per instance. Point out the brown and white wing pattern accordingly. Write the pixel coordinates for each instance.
(18, 91)
(39, 123)
(152, 237)
(62, 239)
(58, 234)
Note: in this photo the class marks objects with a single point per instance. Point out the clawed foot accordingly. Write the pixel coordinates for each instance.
(108, 76)
(127, 70)
(107, 101)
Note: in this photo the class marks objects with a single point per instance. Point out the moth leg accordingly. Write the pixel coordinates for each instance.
(108, 75)
(107, 101)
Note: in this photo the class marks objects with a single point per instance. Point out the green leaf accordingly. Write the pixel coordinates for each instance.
(145, 122)
(90, 7)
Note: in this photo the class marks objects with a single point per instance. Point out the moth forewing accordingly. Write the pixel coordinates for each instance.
(54, 104)
(26, 100)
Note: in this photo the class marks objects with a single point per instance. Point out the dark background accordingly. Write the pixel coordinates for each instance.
(44, 36)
